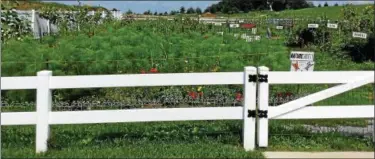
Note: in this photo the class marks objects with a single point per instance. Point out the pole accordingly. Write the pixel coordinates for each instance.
(1, 42)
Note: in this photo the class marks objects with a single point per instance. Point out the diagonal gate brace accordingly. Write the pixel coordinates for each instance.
(313, 98)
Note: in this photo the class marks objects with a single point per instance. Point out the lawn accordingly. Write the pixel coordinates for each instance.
(198, 139)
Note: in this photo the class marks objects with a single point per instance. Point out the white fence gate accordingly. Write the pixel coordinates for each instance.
(298, 109)
(44, 82)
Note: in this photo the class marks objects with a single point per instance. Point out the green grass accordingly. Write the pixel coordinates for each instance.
(325, 122)
(199, 139)
(159, 140)
(319, 143)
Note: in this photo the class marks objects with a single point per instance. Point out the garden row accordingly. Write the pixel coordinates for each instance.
(163, 46)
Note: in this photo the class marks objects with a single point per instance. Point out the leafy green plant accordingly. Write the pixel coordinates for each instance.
(15, 27)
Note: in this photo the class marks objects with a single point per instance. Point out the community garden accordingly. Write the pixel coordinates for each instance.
(92, 45)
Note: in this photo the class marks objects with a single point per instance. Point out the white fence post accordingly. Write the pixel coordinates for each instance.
(33, 20)
(43, 108)
(48, 27)
(263, 101)
(249, 108)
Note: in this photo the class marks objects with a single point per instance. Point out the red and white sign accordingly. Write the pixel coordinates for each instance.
(302, 61)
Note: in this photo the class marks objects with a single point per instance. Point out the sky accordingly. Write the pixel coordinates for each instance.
(166, 6)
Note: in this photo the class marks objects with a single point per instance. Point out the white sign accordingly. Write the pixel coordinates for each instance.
(249, 39)
(257, 37)
(313, 25)
(279, 27)
(243, 36)
(241, 21)
(301, 61)
(302, 66)
(234, 25)
(221, 33)
(254, 30)
(301, 55)
(217, 24)
(331, 25)
(359, 35)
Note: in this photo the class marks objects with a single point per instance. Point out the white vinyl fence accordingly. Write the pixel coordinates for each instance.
(251, 79)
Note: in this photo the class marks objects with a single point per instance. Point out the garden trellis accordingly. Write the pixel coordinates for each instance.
(42, 27)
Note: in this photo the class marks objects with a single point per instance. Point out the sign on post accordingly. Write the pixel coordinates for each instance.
(359, 35)
(257, 37)
(279, 27)
(234, 25)
(254, 30)
(217, 24)
(302, 61)
(313, 25)
(331, 25)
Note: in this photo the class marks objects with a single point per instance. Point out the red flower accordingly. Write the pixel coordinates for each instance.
(238, 96)
(200, 94)
(279, 94)
(154, 70)
(288, 94)
(193, 95)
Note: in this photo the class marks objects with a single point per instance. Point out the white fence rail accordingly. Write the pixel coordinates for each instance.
(250, 113)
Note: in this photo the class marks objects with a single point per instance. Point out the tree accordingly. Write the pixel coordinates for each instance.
(160, 14)
(298, 4)
(235, 10)
(248, 5)
(270, 3)
(155, 13)
(336, 4)
(190, 10)
(148, 12)
(319, 5)
(198, 10)
(213, 9)
(165, 13)
(173, 12)
(311, 4)
(278, 5)
(129, 12)
(208, 9)
(182, 10)
(326, 4)
(225, 9)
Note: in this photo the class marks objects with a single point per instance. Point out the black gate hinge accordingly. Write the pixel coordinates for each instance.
(251, 113)
(263, 78)
(252, 78)
(263, 113)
